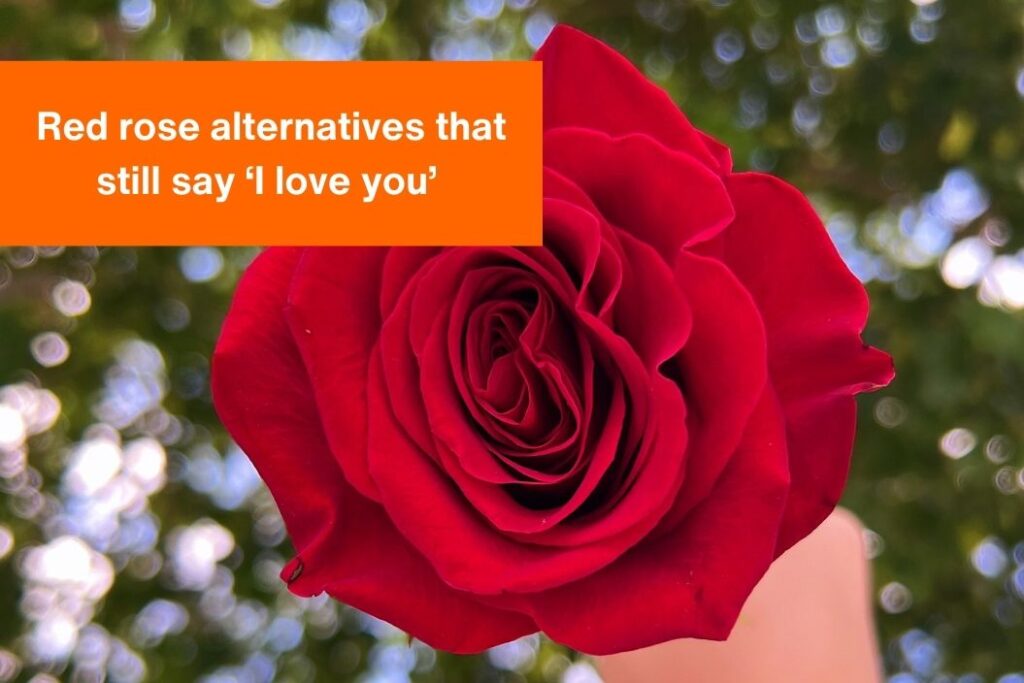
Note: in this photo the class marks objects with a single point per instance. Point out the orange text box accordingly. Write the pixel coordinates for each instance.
(123, 153)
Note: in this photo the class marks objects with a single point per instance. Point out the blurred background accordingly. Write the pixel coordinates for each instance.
(137, 543)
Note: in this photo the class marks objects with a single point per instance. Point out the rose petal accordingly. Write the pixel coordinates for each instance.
(333, 314)
(572, 233)
(652, 313)
(263, 410)
(720, 151)
(401, 369)
(400, 266)
(663, 197)
(589, 85)
(722, 370)
(813, 310)
(577, 235)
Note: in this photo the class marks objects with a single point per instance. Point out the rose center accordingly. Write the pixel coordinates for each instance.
(523, 385)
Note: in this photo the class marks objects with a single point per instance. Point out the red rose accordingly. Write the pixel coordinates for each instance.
(608, 438)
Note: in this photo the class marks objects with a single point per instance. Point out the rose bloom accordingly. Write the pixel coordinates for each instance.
(608, 438)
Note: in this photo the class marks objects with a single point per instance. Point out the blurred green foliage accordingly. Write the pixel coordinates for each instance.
(903, 120)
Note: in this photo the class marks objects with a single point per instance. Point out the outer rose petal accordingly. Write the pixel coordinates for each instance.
(814, 310)
(346, 544)
(720, 151)
(692, 582)
(262, 396)
(589, 85)
(335, 318)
